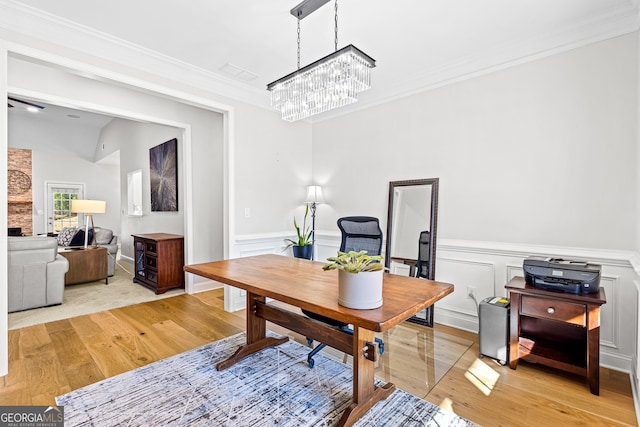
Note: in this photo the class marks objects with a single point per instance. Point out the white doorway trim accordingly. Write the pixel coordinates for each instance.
(8, 49)
(4, 304)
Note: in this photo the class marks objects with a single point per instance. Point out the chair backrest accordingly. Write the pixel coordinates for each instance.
(422, 266)
(360, 233)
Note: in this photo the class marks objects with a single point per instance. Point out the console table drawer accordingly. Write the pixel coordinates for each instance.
(150, 261)
(151, 247)
(546, 308)
(151, 276)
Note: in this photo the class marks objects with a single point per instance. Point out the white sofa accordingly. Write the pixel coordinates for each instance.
(36, 272)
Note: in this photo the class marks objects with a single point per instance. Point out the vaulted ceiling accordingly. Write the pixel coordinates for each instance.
(417, 44)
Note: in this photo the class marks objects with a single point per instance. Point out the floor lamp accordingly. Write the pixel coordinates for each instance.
(88, 208)
(314, 197)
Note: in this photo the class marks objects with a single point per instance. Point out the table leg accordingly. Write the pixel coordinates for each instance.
(365, 393)
(514, 330)
(593, 349)
(256, 335)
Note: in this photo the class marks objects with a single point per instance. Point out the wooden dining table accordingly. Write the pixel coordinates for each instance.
(304, 284)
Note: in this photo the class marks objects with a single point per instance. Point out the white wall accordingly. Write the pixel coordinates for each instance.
(273, 168)
(45, 135)
(55, 165)
(540, 153)
(537, 159)
(133, 140)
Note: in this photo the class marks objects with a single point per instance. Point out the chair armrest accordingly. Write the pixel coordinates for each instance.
(112, 246)
(55, 280)
(59, 265)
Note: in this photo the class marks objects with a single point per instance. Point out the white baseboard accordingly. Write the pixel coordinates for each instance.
(206, 286)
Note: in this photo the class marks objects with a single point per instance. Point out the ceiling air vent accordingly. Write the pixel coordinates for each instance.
(237, 72)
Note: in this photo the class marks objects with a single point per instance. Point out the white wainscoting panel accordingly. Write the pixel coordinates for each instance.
(234, 298)
(513, 271)
(465, 274)
(488, 266)
(400, 269)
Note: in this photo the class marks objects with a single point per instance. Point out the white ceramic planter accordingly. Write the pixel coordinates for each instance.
(362, 290)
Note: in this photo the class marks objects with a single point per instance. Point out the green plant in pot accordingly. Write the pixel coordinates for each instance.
(302, 247)
(359, 279)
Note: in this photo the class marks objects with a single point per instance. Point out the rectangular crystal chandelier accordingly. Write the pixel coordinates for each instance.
(328, 83)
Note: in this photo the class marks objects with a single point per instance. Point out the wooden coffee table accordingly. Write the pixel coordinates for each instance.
(86, 265)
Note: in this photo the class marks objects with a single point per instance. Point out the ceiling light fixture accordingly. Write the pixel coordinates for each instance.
(328, 83)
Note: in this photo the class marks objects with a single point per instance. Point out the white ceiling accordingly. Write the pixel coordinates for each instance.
(418, 44)
(56, 113)
(67, 130)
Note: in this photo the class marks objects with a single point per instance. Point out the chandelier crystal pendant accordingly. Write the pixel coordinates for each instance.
(328, 83)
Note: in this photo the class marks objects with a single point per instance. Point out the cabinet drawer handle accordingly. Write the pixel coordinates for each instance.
(551, 310)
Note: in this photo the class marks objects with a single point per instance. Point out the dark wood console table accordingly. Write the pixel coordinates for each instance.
(159, 261)
(556, 329)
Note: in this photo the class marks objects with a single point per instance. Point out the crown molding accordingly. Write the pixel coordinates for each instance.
(591, 30)
(32, 22)
(27, 21)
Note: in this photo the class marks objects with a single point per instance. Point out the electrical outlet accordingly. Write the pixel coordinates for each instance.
(471, 292)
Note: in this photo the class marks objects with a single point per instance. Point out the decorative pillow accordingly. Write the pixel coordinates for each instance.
(103, 236)
(78, 238)
(65, 236)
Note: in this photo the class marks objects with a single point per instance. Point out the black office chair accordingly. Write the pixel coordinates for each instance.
(421, 269)
(422, 264)
(359, 233)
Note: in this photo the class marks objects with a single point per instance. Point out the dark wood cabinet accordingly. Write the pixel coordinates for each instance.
(556, 329)
(159, 260)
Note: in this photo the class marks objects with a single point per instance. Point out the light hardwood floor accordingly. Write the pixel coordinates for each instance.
(54, 358)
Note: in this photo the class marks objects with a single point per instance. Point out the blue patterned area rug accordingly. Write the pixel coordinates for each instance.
(273, 387)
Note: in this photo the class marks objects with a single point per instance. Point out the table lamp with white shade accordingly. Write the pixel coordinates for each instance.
(88, 208)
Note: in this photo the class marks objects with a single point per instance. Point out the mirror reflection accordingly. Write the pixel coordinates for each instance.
(411, 232)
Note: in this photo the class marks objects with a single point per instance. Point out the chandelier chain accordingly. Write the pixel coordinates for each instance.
(298, 43)
(336, 19)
